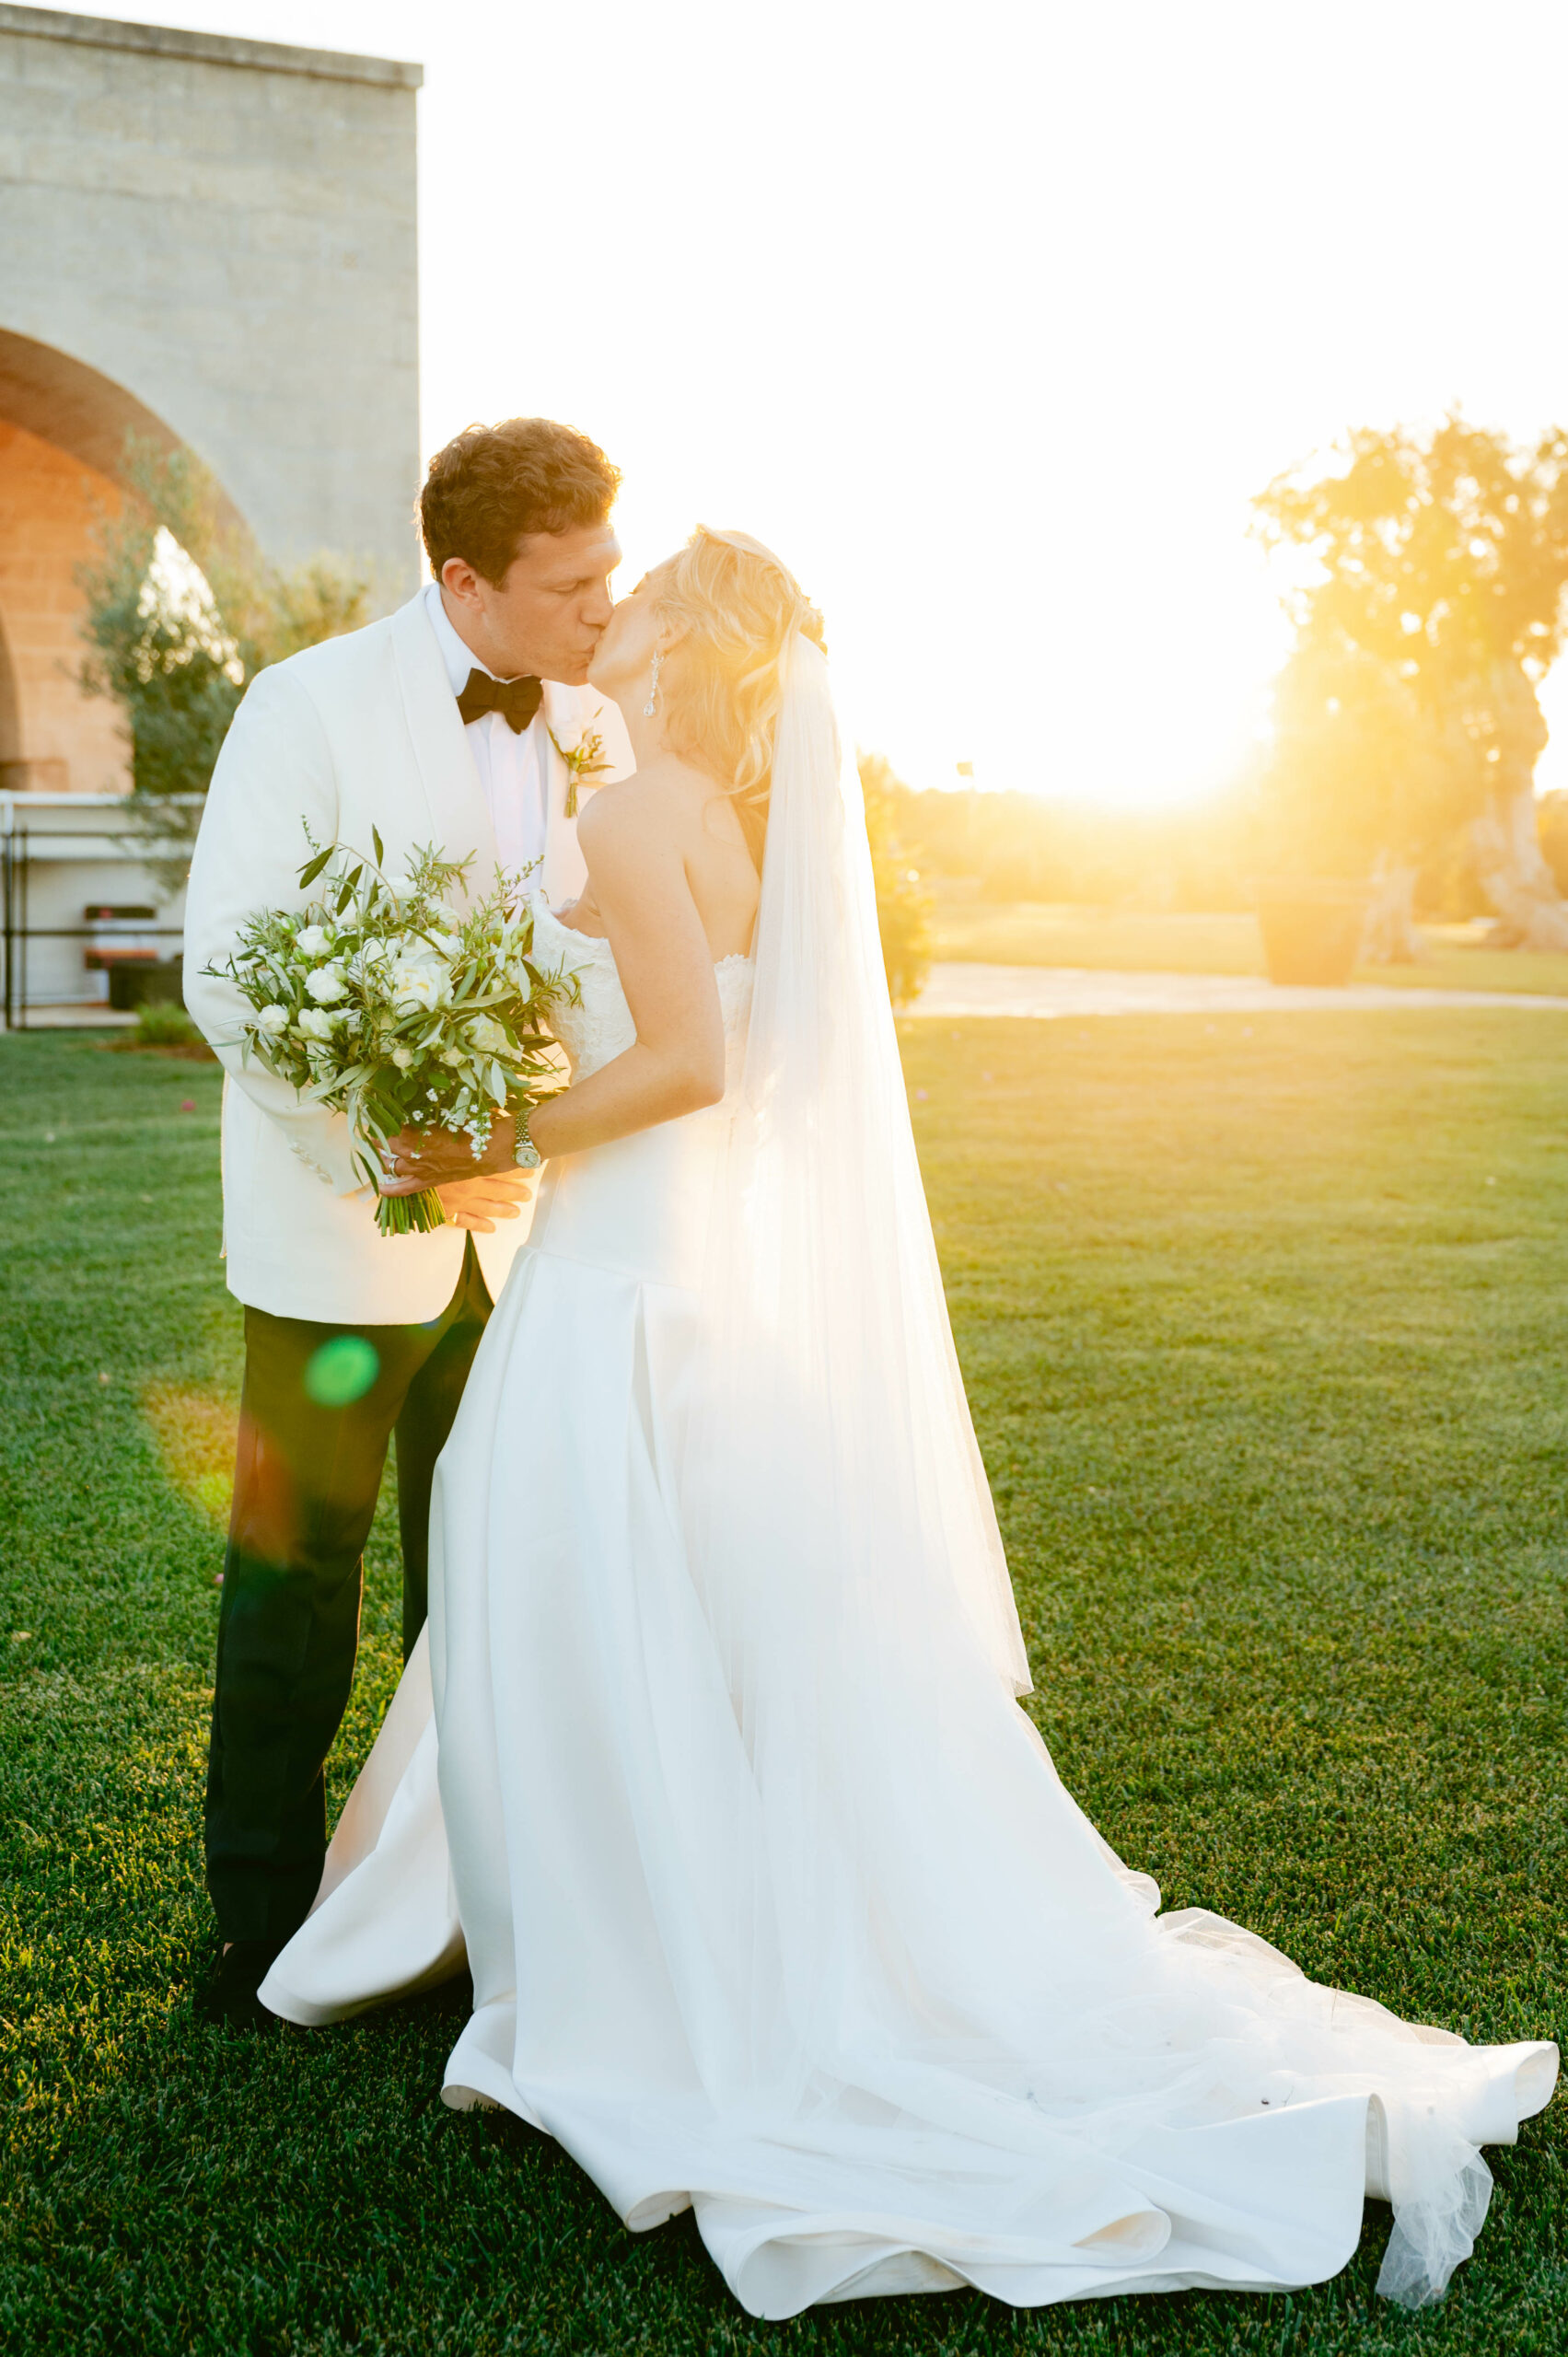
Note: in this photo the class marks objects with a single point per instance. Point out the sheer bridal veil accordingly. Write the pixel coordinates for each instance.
(848, 1458)
(841, 1527)
(906, 1924)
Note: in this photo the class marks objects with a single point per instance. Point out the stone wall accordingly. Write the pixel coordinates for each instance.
(211, 243)
(56, 739)
(225, 230)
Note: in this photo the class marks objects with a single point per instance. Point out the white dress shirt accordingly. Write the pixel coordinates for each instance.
(513, 765)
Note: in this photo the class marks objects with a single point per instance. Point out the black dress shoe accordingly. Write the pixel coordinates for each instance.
(230, 1997)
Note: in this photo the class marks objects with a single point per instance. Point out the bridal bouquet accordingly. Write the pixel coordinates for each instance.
(381, 1002)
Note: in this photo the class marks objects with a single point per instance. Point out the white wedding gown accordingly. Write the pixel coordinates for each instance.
(786, 1916)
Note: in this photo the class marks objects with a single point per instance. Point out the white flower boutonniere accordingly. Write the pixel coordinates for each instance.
(585, 761)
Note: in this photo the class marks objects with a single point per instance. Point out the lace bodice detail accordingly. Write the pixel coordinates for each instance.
(599, 1028)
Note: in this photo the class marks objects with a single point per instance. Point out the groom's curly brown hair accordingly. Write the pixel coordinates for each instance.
(492, 486)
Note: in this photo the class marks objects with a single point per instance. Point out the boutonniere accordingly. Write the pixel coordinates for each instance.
(585, 761)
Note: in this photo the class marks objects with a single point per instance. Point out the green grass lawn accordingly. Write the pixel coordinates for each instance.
(1034, 932)
(1268, 1341)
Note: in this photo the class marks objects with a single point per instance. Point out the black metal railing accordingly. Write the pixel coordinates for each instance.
(18, 857)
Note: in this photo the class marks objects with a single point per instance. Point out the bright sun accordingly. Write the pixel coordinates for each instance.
(991, 323)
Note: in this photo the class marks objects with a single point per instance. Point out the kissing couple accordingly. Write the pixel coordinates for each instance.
(707, 1757)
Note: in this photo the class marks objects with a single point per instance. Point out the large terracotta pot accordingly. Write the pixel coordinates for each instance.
(1311, 927)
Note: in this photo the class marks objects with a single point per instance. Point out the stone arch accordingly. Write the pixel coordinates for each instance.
(62, 400)
(217, 238)
(64, 432)
(65, 429)
(209, 243)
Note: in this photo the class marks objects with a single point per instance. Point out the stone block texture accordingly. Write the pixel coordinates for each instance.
(52, 738)
(225, 230)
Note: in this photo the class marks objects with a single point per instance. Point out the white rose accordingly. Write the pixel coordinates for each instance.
(488, 1036)
(273, 1020)
(315, 1023)
(417, 982)
(327, 985)
(453, 1056)
(403, 1058)
(312, 941)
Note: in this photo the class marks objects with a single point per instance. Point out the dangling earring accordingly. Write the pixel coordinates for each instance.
(649, 708)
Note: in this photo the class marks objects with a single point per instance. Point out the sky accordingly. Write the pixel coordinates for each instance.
(990, 319)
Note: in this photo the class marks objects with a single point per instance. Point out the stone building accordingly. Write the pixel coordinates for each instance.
(211, 242)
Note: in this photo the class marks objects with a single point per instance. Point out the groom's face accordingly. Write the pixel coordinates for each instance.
(545, 617)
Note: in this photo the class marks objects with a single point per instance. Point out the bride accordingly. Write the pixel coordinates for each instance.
(712, 1763)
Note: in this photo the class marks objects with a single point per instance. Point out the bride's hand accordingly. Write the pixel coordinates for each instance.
(413, 1160)
(478, 1204)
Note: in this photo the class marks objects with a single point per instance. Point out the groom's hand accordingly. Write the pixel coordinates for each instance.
(479, 1202)
(415, 1160)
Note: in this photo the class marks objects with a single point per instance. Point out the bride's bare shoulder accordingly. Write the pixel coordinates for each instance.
(654, 805)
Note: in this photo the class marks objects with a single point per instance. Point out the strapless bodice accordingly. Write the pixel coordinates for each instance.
(598, 1027)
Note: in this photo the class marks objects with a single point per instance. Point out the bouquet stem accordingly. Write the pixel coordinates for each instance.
(410, 1214)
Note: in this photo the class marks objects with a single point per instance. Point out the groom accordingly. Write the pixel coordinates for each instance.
(432, 727)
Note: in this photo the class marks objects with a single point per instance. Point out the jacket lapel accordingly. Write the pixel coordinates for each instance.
(563, 876)
(459, 819)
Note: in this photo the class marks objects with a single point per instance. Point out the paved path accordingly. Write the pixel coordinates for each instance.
(95, 1017)
(1046, 991)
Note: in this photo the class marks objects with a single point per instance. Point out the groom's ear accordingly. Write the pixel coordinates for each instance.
(458, 575)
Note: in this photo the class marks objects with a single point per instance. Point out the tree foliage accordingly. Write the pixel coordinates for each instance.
(1010, 846)
(1434, 607)
(1445, 556)
(904, 905)
(1360, 768)
(180, 613)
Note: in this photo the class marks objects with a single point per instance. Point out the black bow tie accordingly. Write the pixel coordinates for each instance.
(515, 699)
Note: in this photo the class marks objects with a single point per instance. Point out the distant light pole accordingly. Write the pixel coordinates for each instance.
(966, 771)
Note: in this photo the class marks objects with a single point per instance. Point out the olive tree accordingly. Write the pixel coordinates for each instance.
(180, 613)
(1440, 565)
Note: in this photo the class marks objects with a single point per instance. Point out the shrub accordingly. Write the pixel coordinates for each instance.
(166, 1024)
(904, 905)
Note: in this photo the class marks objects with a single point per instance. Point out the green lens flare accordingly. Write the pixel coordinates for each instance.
(342, 1371)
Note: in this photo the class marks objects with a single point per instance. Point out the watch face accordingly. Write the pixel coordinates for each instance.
(529, 1156)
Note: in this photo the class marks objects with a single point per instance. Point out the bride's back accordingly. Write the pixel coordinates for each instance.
(679, 805)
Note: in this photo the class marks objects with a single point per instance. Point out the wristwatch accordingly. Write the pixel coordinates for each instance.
(529, 1156)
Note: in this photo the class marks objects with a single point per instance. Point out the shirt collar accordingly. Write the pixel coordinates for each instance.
(459, 659)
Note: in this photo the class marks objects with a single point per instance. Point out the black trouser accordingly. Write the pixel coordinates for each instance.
(318, 1407)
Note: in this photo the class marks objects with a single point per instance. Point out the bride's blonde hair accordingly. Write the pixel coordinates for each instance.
(738, 607)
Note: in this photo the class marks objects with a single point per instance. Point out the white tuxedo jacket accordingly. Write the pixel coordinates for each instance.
(361, 731)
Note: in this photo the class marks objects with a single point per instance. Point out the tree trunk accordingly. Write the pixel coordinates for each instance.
(1512, 872)
(1390, 937)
